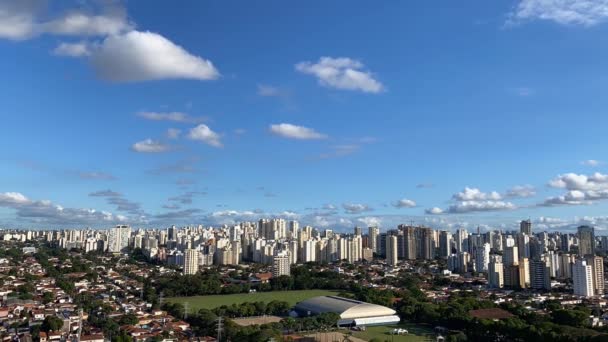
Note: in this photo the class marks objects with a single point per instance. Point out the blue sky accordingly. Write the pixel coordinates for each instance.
(333, 113)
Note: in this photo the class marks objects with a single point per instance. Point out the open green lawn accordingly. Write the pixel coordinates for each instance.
(382, 333)
(209, 302)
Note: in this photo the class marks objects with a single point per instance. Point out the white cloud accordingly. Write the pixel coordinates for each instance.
(474, 194)
(150, 146)
(83, 24)
(12, 198)
(46, 213)
(295, 132)
(341, 73)
(356, 208)
(203, 133)
(123, 54)
(173, 133)
(143, 56)
(20, 20)
(404, 203)
(567, 12)
(370, 221)
(573, 181)
(522, 191)
(434, 211)
(591, 162)
(475, 206)
(170, 116)
(72, 49)
(581, 189)
(17, 19)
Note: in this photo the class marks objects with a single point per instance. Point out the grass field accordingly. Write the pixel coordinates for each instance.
(382, 333)
(209, 302)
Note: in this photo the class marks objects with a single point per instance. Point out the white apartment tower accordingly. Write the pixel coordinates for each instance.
(391, 250)
(496, 273)
(482, 257)
(281, 264)
(191, 261)
(582, 279)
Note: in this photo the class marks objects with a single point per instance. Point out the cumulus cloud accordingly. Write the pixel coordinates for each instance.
(404, 203)
(17, 19)
(86, 24)
(170, 116)
(522, 191)
(72, 49)
(341, 73)
(116, 51)
(581, 189)
(47, 213)
(573, 181)
(474, 194)
(475, 206)
(150, 146)
(356, 208)
(370, 221)
(567, 12)
(144, 56)
(203, 133)
(21, 20)
(290, 131)
(434, 211)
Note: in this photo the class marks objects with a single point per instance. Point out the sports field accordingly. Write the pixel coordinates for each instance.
(196, 303)
(382, 333)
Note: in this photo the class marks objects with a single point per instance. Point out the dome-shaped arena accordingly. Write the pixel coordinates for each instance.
(352, 312)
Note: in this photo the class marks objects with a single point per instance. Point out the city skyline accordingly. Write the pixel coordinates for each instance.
(115, 114)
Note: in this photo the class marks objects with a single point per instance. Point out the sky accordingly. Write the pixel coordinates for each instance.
(336, 114)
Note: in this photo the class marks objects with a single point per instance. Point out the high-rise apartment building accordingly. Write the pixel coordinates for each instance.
(281, 264)
(191, 261)
(391, 250)
(445, 244)
(118, 239)
(586, 241)
(582, 279)
(482, 257)
(495, 272)
(373, 233)
(540, 278)
(525, 227)
(597, 269)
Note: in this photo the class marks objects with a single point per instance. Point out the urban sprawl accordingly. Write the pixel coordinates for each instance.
(128, 284)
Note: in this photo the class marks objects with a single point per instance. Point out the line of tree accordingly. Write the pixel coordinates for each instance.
(204, 322)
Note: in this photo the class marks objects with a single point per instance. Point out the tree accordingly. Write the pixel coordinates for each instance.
(128, 319)
(575, 318)
(52, 323)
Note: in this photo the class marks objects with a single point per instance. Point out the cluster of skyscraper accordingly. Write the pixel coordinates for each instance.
(525, 260)
(511, 259)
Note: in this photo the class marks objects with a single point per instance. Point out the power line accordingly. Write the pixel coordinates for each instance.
(220, 327)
